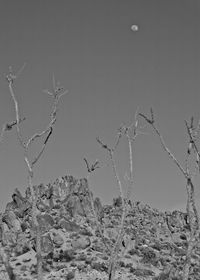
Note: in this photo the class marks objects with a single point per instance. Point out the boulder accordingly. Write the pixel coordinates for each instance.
(81, 243)
(46, 222)
(20, 205)
(9, 237)
(98, 208)
(69, 226)
(79, 200)
(11, 206)
(23, 205)
(22, 245)
(11, 220)
(58, 240)
(46, 244)
(72, 206)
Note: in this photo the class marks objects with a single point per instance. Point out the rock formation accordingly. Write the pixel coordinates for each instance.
(154, 243)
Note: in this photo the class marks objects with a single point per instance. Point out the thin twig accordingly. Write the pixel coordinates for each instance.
(131, 132)
(151, 121)
(111, 152)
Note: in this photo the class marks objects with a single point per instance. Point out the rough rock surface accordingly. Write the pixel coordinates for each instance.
(153, 247)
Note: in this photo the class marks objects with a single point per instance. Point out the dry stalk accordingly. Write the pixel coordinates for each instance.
(152, 123)
(123, 131)
(115, 249)
(194, 225)
(193, 134)
(113, 164)
(57, 93)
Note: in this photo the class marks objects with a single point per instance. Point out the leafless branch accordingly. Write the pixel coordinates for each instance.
(194, 225)
(193, 133)
(151, 122)
(111, 155)
(58, 92)
(93, 167)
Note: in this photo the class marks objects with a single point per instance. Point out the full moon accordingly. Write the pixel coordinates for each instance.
(134, 27)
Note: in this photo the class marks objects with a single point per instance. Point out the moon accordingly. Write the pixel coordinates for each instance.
(134, 27)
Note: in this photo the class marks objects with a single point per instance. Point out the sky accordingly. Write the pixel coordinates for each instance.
(109, 71)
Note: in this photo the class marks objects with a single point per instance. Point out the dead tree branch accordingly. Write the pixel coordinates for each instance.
(57, 93)
(194, 225)
(130, 132)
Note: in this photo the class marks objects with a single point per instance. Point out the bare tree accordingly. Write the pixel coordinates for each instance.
(130, 132)
(56, 94)
(191, 206)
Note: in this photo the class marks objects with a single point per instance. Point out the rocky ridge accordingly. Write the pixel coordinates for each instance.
(153, 247)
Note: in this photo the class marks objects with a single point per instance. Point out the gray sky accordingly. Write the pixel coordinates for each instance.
(109, 71)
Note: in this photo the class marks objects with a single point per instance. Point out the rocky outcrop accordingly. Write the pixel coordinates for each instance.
(46, 222)
(73, 194)
(19, 205)
(67, 197)
(153, 244)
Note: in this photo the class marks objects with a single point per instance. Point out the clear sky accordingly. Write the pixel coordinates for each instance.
(109, 71)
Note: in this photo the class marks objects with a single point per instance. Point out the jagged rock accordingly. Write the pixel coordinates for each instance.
(22, 203)
(73, 206)
(98, 208)
(19, 205)
(41, 189)
(72, 193)
(81, 243)
(62, 187)
(76, 201)
(67, 191)
(46, 222)
(11, 220)
(67, 225)
(117, 202)
(28, 192)
(24, 225)
(47, 197)
(11, 206)
(46, 244)
(22, 245)
(9, 237)
(97, 205)
(18, 198)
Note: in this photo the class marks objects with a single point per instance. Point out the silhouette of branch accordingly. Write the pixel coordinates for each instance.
(151, 122)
